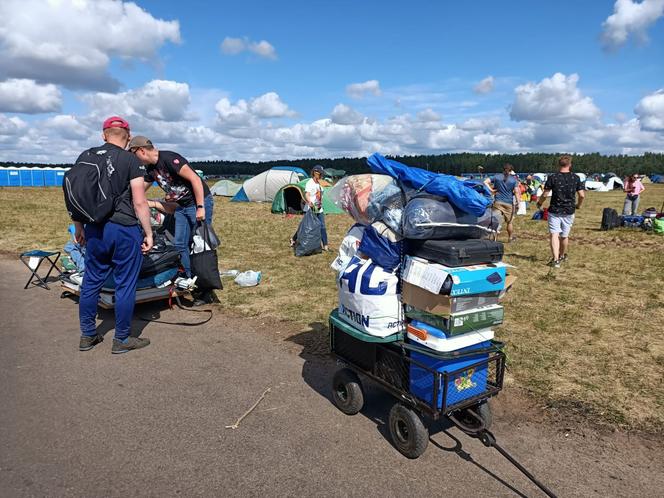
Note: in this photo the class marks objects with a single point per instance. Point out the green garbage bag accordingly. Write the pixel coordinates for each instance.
(658, 226)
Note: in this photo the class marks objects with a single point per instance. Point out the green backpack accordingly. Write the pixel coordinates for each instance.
(658, 225)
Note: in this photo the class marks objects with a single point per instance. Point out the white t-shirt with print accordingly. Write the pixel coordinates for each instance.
(315, 195)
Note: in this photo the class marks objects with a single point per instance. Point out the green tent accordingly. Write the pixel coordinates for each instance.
(289, 199)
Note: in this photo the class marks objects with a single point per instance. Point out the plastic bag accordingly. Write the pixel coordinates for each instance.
(212, 236)
(348, 247)
(432, 217)
(308, 235)
(382, 251)
(366, 197)
(248, 278)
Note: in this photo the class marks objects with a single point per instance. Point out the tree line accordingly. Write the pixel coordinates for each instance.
(454, 164)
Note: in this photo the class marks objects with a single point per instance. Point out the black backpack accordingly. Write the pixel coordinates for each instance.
(89, 195)
(610, 219)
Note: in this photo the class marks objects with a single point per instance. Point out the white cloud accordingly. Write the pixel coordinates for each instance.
(71, 42)
(237, 114)
(235, 46)
(68, 127)
(345, 115)
(428, 115)
(359, 90)
(161, 100)
(11, 126)
(270, 105)
(484, 86)
(553, 100)
(26, 96)
(630, 18)
(650, 111)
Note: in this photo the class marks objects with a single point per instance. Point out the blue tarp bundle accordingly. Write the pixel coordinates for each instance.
(463, 194)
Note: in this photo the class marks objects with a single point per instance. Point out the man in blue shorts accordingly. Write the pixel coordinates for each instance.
(505, 187)
(564, 186)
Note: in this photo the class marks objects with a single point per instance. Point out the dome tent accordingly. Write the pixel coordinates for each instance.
(264, 186)
(225, 188)
(289, 199)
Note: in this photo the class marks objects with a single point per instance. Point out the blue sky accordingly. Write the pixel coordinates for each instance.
(283, 80)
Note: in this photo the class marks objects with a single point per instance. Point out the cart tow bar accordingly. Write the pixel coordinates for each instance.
(489, 440)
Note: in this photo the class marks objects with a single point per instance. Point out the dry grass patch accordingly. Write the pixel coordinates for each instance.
(586, 337)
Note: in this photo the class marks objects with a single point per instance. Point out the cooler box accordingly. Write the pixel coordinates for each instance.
(465, 379)
(436, 339)
(459, 323)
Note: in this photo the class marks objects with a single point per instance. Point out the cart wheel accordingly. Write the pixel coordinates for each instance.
(484, 411)
(347, 391)
(409, 434)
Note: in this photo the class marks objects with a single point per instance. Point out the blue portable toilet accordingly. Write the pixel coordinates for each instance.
(49, 177)
(14, 178)
(59, 176)
(37, 177)
(25, 176)
(4, 177)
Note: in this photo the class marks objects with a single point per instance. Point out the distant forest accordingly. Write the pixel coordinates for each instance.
(454, 164)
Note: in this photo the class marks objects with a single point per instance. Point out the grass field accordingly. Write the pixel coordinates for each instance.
(586, 337)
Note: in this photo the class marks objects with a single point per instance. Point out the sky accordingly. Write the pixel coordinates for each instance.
(268, 80)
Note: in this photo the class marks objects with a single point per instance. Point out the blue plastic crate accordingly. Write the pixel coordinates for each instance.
(463, 385)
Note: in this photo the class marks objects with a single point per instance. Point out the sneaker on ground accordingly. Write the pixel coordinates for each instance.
(206, 297)
(555, 263)
(89, 342)
(563, 258)
(129, 344)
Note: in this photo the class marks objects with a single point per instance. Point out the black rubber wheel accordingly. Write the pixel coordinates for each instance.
(347, 391)
(484, 411)
(409, 435)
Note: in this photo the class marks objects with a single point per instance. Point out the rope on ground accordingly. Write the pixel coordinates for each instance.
(253, 407)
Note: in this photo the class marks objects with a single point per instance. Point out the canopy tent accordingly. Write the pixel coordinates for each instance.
(613, 183)
(295, 169)
(289, 199)
(263, 187)
(225, 188)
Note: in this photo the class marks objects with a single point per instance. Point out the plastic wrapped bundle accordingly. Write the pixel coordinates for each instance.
(430, 217)
(368, 198)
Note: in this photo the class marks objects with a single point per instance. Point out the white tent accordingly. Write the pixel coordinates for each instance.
(225, 188)
(263, 187)
(613, 183)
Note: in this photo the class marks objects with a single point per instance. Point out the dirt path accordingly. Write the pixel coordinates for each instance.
(151, 423)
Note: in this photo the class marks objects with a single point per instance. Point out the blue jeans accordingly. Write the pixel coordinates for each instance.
(323, 230)
(185, 224)
(631, 206)
(117, 248)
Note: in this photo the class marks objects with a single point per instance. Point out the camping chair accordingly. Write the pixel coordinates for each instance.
(29, 257)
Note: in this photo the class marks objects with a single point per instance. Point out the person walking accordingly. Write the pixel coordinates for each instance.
(313, 198)
(633, 188)
(505, 187)
(567, 195)
(183, 186)
(114, 245)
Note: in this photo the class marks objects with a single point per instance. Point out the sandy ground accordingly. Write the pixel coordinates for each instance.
(152, 422)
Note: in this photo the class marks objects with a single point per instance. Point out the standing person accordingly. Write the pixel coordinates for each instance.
(115, 244)
(183, 186)
(505, 187)
(565, 186)
(633, 187)
(313, 199)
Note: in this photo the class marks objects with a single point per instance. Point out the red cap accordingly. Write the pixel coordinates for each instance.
(115, 122)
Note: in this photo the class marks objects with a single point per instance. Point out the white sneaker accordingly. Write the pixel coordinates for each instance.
(186, 283)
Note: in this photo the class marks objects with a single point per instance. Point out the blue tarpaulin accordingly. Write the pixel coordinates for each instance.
(463, 194)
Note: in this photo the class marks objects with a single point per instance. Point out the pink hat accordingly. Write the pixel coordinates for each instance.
(115, 122)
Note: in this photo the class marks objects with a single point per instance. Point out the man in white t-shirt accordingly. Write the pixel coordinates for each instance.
(313, 199)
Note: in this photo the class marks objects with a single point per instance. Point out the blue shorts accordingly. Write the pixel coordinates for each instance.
(561, 224)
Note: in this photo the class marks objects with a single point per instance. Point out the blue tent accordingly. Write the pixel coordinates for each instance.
(657, 178)
(297, 170)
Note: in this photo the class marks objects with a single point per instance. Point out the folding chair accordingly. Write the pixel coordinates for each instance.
(41, 256)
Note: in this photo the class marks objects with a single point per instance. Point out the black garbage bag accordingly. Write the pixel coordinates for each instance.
(308, 235)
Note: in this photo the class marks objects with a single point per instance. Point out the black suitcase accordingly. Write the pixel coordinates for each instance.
(610, 219)
(456, 252)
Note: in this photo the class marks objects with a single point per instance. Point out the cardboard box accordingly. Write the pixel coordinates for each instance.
(438, 304)
(460, 323)
(465, 280)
